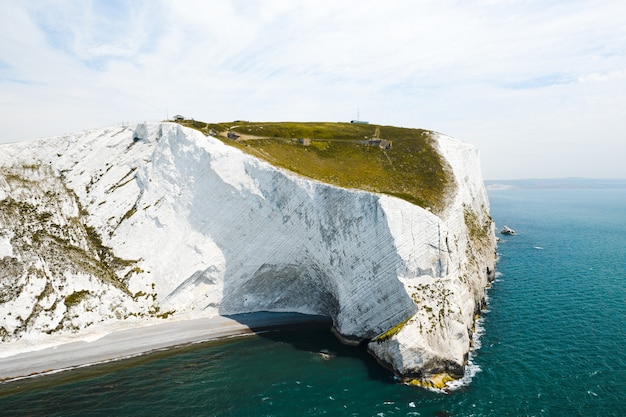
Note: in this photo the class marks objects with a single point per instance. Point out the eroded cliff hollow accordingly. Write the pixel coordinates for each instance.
(158, 220)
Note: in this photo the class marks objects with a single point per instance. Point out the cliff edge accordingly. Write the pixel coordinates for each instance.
(158, 220)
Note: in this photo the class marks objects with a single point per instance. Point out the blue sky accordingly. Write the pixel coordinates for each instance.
(539, 86)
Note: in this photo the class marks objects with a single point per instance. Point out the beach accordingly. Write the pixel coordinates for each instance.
(131, 342)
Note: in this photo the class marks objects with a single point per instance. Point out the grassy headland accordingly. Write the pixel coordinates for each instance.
(347, 155)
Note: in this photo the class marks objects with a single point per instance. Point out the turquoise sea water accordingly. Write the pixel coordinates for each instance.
(554, 342)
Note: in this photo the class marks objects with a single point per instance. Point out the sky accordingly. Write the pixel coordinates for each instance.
(538, 86)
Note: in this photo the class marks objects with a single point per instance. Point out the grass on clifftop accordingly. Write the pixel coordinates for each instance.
(339, 154)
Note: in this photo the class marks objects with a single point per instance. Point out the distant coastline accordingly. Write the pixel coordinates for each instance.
(555, 183)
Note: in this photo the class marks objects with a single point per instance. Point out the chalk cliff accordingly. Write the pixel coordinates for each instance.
(157, 220)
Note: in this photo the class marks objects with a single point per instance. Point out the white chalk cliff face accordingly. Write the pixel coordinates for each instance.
(122, 224)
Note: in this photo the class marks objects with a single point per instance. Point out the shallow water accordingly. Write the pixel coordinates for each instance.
(554, 342)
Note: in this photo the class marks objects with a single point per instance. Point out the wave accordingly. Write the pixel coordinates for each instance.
(472, 368)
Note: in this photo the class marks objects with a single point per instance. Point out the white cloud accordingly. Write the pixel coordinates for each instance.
(517, 78)
(603, 77)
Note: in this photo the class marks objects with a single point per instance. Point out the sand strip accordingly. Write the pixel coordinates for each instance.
(141, 340)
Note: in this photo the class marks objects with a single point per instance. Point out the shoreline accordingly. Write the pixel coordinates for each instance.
(138, 341)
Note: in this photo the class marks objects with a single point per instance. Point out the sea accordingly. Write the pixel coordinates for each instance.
(552, 343)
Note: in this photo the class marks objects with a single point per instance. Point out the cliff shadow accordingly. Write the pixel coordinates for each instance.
(312, 333)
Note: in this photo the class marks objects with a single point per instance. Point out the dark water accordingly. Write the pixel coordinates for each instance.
(554, 342)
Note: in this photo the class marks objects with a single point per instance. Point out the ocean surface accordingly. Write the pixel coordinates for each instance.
(553, 342)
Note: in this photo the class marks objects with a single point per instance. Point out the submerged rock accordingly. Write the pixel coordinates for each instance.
(179, 224)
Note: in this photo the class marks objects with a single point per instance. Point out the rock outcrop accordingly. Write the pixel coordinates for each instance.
(507, 231)
(159, 220)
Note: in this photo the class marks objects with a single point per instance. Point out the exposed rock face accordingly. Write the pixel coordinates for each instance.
(161, 220)
(53, 267)
(432, 346)
(507, 231)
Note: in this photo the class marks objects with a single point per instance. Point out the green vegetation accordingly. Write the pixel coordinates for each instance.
(123, 181)
(478, 233)
(75, 298)
(339, 154)
(36, 229)
(48, 243)
(391, 332)
(10, 271)
(129, 214)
